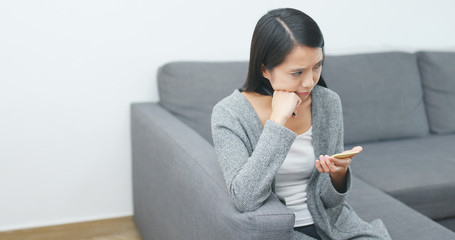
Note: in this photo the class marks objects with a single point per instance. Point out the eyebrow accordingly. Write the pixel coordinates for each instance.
(301, 69)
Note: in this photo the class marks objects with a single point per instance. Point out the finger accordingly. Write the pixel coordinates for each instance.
(332, 167)
(324, 165)
(357, 148)
(329, 159)
(318, 166)
(343, 162)
(299, 100)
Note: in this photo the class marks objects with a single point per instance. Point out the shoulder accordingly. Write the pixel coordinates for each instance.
(228, 104)
(229, 101)
(231, 108)
(326, 93)
(326, 98)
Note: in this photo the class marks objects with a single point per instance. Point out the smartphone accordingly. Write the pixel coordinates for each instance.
(345, 155)
(266, 90)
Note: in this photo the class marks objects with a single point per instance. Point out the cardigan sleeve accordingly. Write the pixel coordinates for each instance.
(329, 195)
(248, 174)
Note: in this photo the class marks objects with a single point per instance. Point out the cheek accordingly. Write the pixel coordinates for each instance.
(319, 72)
(284, 82)
(317, 76)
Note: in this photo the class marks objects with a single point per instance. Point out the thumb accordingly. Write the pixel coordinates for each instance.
(299, 101)
(357, 148)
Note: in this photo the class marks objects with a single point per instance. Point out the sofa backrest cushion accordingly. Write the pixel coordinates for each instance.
(189, 90)
(437, 70)
(381, 94)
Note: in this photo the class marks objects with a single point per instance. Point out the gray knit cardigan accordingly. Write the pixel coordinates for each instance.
(250, 155)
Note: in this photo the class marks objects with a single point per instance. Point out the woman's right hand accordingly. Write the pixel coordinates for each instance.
(283, 105)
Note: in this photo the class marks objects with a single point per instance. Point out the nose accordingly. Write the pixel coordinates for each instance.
(307, 81)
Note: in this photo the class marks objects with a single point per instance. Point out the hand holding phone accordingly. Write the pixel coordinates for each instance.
(338, 163)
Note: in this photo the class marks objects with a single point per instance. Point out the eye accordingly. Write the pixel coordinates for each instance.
(296, 73)
(318, 66)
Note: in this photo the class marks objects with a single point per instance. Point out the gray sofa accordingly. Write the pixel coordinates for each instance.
(399, 106)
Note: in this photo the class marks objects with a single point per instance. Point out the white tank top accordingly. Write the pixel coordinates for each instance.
(292, 178)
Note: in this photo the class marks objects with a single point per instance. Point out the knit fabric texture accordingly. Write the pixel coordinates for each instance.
(250, 155)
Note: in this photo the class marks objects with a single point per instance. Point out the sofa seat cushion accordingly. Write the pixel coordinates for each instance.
(381, 94)
(418, 172)
(370, 203)
(448, 223)
(437, 70)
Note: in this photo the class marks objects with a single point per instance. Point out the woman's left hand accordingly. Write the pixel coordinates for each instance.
(335, 166)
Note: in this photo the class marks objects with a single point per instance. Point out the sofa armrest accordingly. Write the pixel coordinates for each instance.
(178, 188)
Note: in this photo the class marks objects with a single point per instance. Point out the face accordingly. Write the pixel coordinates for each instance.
(299, 72)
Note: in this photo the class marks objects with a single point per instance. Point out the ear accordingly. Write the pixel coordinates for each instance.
(265, 72)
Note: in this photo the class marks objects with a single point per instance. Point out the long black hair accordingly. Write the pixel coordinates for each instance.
(274, 37)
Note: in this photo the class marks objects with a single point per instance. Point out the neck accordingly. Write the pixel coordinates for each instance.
(306, 102)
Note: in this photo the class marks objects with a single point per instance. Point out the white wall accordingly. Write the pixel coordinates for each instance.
(70, 69)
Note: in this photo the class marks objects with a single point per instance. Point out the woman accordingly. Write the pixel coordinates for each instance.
(268, 133)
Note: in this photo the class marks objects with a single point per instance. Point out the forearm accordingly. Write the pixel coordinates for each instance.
(249, 178)
(332, 196)
(339, 182)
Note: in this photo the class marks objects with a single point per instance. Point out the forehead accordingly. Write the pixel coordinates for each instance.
(302, 57)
